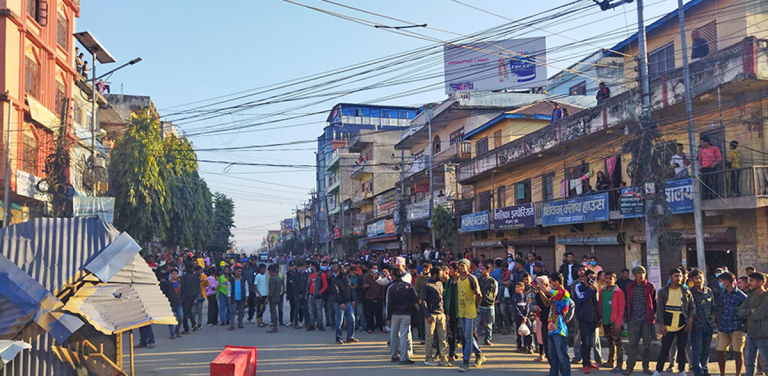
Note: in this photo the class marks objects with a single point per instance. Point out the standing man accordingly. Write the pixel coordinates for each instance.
(355, 288)
(373, 307)
(603, 93)
(674, 319)
(624, 281)
(468, 299)
(290, 294)
(733, 163)
(197, 308)
(260, 288)
(703, 324)
(317, 290)
(401, 299)
(172, 289)
(432, 308)
(190, 290)
(731, 327)
(249, 274)
(222, 294)
(587, 314)
(755, 311)
(489, 288)
(569, 269)
(275, 289)
(561, 312)
(343, 306)
(452, 309)
(612, 306)
(641, 309)
(709, 161)
(238, 294)
(299, 286)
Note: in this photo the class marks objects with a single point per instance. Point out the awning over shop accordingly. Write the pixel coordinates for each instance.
(532, 241)
(602, 239)
(118, 307)
(711, 235)
(382, 238)
(24, 299)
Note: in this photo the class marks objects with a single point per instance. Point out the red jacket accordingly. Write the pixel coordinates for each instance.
(650, 300)
(617, 305)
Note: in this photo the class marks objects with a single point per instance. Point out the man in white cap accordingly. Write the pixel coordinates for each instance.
(401, 266)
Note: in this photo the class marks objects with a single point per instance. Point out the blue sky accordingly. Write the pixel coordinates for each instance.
(196, 50)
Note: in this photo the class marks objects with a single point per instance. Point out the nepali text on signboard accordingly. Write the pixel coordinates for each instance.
(679, 199)
(102, 207)
(475, 221)
(592, 208)
(514, 217)
(380, 227)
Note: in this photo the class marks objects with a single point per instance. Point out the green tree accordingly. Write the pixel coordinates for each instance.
(443, 227)
(223, 222)
(190, 210)
(137, 180)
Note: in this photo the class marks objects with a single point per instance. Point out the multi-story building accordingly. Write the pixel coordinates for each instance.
(38, 67)
(450, 121)
(344, 121)
(377, 170)
(554, 204)
(583, 77)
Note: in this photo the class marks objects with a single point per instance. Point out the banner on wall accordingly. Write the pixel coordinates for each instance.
(592, 208)
(102, 207)
(679, 199)
(475, 221)
(514, 217)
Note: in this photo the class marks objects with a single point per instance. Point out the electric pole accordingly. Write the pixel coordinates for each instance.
(428, 115)
(701, 261)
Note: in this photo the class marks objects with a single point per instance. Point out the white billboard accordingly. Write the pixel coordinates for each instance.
(489, 66)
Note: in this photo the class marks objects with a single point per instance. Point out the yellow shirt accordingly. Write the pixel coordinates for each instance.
(734, 158)
(201, 262)
(466, 299)
(673, 310)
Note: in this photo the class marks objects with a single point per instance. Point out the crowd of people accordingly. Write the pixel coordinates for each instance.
(448, 301)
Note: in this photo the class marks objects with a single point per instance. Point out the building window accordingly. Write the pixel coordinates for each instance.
(523, 192)
(484, 201)
(578, 89)
(576, 173)
(501, 197)
(62, 31)
(661, 61)
(32, 8)
(497, 139)
(436, 145)
(457, 136)
(29, 155)
(77, 115)
(547, 187)
(61, 93)
(31, 77)
(482, 146)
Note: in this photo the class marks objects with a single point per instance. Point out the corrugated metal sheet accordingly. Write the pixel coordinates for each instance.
(53, 250)
(31, 301)
(9, 349)
(107, 262)
(117, 307)
(135, 271)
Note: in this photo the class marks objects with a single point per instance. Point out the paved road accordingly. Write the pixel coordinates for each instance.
(297, 352)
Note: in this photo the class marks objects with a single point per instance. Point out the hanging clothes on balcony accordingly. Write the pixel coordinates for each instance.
(563, 188)
(610, 166)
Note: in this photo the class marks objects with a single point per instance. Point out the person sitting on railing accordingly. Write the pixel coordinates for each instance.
(557, 113)
(603, 93)
(709, 160)
(680, 162)
(733, 163)
(603, 183)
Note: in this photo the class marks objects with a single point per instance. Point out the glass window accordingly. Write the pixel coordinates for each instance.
(547, 187)
(31, 77)
(29, 154)
(501, 197)
(62, 31)
(482, 146)
(366, 112)
(61, 93)
(375, 112)
(661, 61)
(523, 192)
(457, 136)
(484, 201)
(358, 111)
(497, 139)
(32, 8)
(77, 114)
(578, 89)
(385, 113)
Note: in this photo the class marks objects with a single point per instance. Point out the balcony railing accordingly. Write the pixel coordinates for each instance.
(418, 164)
(728, 66)
(457, 152)
(732, 183)
(462, 207)
(333, 181)
(363, 167)
(331, 158)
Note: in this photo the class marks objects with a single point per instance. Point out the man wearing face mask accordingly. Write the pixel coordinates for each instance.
(373, 292)
(316, 292)
(730, 330)
(592, 265)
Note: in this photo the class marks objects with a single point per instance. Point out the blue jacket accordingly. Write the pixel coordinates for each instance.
(582, 297)
(519, 306)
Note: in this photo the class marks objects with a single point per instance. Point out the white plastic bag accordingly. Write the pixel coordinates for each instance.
(524, 330)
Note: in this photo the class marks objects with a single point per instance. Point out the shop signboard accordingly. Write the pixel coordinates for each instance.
(679, 199)
(592, 208)
(475, 221)
(389, 226)
(514, 217)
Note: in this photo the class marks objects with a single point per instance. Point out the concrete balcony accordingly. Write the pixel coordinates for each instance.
(740, 68)
(740, 188)
(460, 151)
(361, 198)
(334, 181)
(332, 160)
(362, 169)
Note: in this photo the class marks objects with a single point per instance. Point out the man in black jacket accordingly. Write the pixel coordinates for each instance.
(289, 290)
(300, 283)
(432, 308)
(401, 301)
(171, 288)
(569, 270)
(190, 290)
(343, 306)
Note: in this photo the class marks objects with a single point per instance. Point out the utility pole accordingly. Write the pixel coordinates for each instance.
(403, 221)
(7, 187)
(701, 261)
(428, 115)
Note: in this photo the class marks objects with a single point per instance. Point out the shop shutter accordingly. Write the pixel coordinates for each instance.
(669, 257)
(548, 258)
(611, 257)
